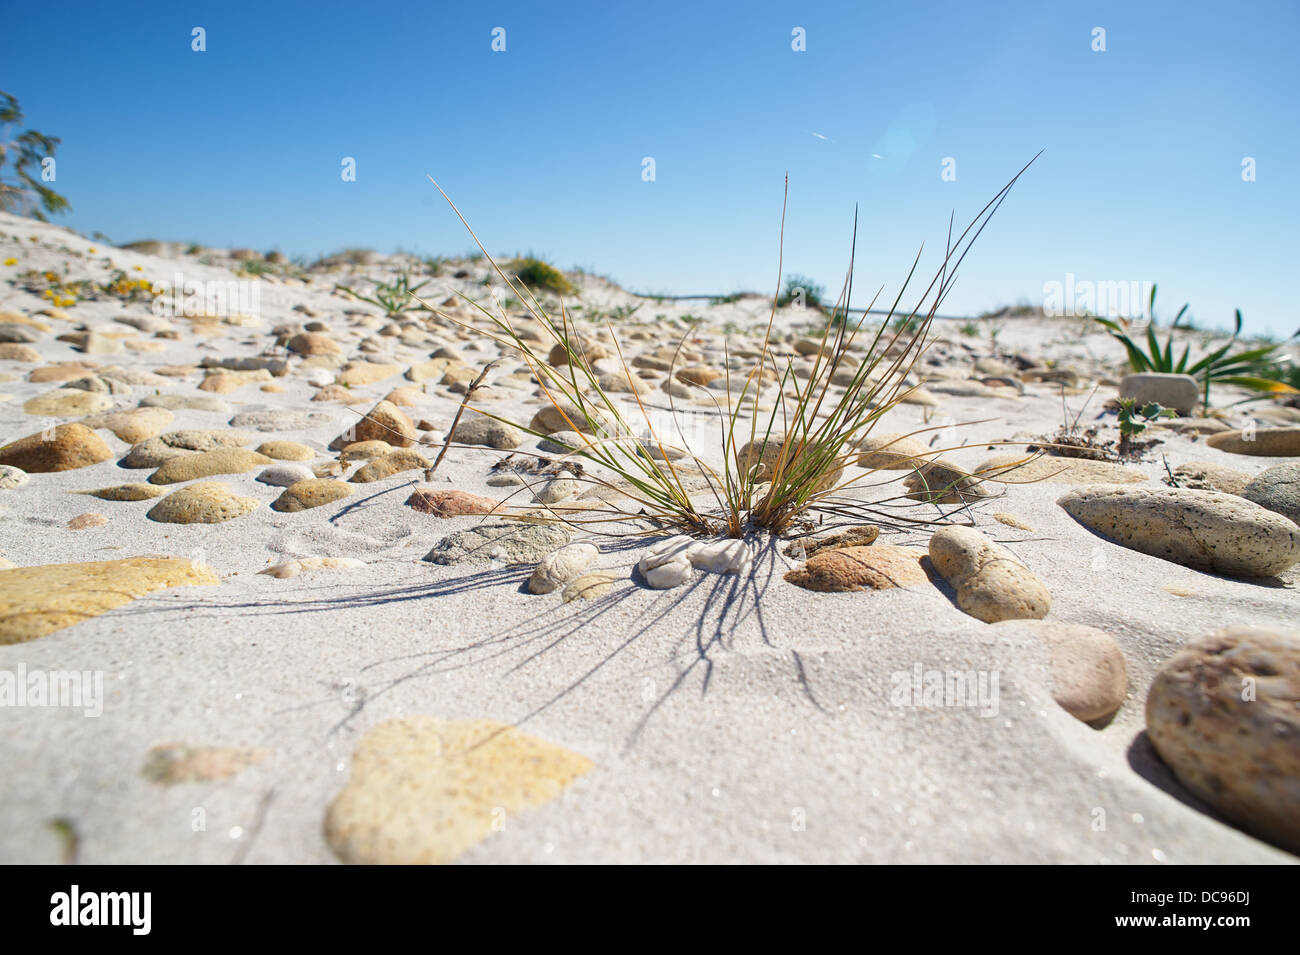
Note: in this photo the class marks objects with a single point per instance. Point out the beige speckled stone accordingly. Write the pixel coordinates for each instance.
(991, 583)
(65, 448)
(207, 502)
(38, 600)
(1052, 469)
(313, 492)
(189, 467)
(424, 790)
(1088, 673)
(1222, 714)
(1206, 530)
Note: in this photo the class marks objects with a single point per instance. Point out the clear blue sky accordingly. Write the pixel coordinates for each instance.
(542, 145)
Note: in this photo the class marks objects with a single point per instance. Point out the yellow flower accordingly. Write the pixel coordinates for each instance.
(138, 268)
(11, 261)
(91, 249)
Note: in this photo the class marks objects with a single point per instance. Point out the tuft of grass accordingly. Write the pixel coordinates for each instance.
(783, 462)
(1256, 369)
(537, 275)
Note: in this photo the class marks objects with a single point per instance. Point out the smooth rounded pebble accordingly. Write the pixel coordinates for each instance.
(66, 447)
(1277, 489)
(944, 482)
(854, 568)
(422, 790)
(1263, 442)
(286, 450)
(891, 452)
(127, 492)
(1222, 714)
(386, 465)
(451, 503)
(283, 475)
(488, 432)
(12, 477)
(1205, 530)
(560, 566)
(991, 583)
(309, 493)
(203, 464)
(1089, 676)
(208, 502)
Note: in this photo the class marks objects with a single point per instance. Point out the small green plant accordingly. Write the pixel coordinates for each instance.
(1134, 420)
(725, 299)
(970, 329)
(800, 290)
(540, 276)
(1255, 369)
(395, 298)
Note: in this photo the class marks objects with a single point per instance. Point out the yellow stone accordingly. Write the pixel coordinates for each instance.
(424, 790)
(38, 600)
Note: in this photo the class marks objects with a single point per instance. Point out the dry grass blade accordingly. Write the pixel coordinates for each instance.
(782, 473)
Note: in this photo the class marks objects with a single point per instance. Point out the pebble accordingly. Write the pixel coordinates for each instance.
(488, 432)
(1205, 530)
(311, 492)
(384, 422)
(286, 419)
(208, 502)
(127, 492)
(1222, 714)
(186, 403)
(203, 464)
(561, 566)
(1089, 679)
(68, 403)
(422, 790)
(286, 450)
(12, 477)
(1278, 489)
(283, 475)
(1180, 392)
(589, 586)
(303, 565)
(133, 425)
(943, 482)
(1263, 442)
(558, 489)
(891, 452)
(35, 601)
(1053, 469)
(83, 521)
(854, 568)
(668, 563)
(511, 542)
(72, 446)
(991, 583)
(1210, 477)
(386, 465)
(451, 503)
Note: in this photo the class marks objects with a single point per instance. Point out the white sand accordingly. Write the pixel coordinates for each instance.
(720, 716)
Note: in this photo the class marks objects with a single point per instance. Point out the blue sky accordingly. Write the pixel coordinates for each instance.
(542, 145)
